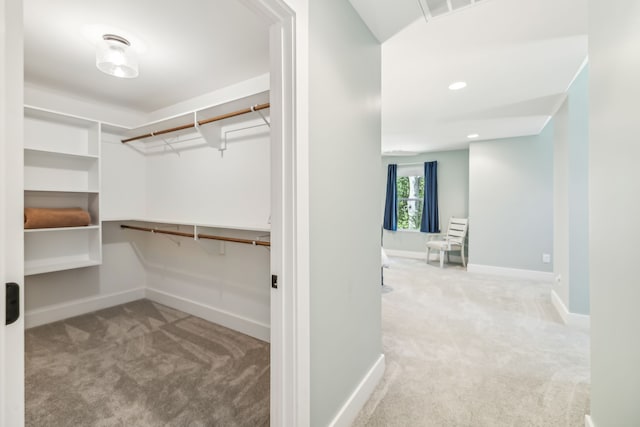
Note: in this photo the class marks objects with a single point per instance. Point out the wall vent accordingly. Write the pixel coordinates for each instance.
(436, 8)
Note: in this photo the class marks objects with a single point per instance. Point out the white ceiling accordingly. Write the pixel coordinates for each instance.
(192, 48)
(517, 56)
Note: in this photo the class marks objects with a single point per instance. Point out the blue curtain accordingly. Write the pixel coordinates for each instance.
(391, 204)
(430, 217)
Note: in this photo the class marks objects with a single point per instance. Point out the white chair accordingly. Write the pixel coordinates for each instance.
(453, 240)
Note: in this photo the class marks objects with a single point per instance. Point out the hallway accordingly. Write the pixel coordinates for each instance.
(466, 349)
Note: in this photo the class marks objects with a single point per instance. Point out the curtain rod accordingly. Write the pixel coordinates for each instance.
(199, 235)
(409, 164)
(257, 107)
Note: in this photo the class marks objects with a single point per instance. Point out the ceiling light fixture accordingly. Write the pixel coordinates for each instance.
(457, 85)
(473, 136)
(114, 56)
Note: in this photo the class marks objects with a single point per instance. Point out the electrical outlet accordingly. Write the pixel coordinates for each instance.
(546, 258)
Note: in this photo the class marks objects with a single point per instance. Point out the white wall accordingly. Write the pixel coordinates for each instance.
(614, 209)
(571, 229)
(203, 185)
(124, 180)
(453, 195)
(344, 156)
(511, 202)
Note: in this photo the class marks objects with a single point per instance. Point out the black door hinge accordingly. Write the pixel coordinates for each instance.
(274, 281)
(12, 297)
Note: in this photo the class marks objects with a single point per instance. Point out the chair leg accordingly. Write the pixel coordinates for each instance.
(464, 263)
(441, 259)
(428, 253)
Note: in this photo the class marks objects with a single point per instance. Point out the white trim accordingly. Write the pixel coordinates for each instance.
(581, 321)
(237, 323)
(290, 318)
(360, 395)
(510, 272)
(588, 421)
(407, 254)
(78, 307)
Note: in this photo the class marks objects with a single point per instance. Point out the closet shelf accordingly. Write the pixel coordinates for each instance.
(254, 242)
(68, 190)
(266, 229)
(45, 230)
(197, 123)
(48, 266)
(61, 154)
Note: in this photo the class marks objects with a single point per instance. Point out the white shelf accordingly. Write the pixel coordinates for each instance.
(88, 157)
(266, 229)
(45, 230)
(61, 170)
(48, 266)
(62, 191)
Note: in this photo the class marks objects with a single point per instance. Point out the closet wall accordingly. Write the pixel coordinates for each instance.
(146, 183)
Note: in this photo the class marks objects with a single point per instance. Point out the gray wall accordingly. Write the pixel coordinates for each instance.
(571, 225)
(453, 195)
(614, 209)
(511, 201)
(345, 127)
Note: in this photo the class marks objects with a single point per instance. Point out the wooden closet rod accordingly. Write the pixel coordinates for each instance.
(199, 235)
(257, 107)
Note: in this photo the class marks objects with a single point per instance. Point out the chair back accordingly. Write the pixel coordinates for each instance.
(457, 230)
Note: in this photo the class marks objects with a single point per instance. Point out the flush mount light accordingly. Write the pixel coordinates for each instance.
(473, 136)
(115, 57)
(457, 85)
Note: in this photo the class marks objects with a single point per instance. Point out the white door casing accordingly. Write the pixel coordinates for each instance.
(11, 202)
(290, 349)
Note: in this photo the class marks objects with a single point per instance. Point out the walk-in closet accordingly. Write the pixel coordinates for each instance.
(147, 195)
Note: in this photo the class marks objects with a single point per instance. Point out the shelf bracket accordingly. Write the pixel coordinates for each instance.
(211, 133)
(170, 146)
(253, 108)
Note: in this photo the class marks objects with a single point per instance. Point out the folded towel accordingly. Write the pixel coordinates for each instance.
(52, 218)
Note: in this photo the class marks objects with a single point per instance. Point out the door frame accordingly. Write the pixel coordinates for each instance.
(290, 345)
(11, 204)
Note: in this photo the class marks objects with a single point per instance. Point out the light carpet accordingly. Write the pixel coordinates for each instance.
(144, 364)
(465, 349)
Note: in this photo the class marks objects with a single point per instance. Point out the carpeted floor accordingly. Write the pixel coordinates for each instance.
(144, 364)
(470, 350)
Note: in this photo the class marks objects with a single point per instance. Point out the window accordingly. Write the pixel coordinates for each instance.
(410, 190)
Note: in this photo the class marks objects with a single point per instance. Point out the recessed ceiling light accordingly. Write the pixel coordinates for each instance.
(457, 85)
(473, 135)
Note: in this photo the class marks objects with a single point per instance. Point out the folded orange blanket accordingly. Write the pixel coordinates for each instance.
(55, 217)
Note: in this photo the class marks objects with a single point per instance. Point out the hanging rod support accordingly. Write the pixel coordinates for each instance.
(200, 122)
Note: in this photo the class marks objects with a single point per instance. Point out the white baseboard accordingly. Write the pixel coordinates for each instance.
(406, 254)
(215, 315)
(78, 307)
(510, 272)
(588, 422)
(360, 395)
(581, 321)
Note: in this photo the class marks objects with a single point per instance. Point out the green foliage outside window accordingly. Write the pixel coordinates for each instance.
(410, 195)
